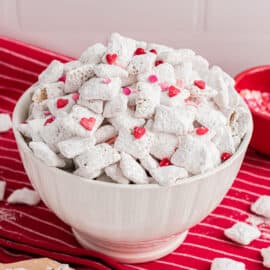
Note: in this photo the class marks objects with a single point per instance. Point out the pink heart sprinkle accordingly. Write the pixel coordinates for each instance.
(75, 96)
(164, 86)
(107, 80)
(126, 91)
(152, 78)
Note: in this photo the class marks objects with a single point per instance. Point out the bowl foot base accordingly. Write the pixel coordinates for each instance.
(132, 252)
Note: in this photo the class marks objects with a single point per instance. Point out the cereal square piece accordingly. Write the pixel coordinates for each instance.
(138, 148)
(196, 154)
(5, 122)
(116, 106)
(141, 63)
(75, 146)
(164, 145)
(176, 57)
(87, 172)
(183, 72)
(116, 174)
(97, 157)
(210, 117)
(239, 121)
(197, 92)
(2, 189)
(121, 46)
(44, 153)
(24, 196)
(61, 104)
(93, 54)
(168, 175)
(96, 88)
(242, 233)
(147, 98)
(126, 120)
(52, 73)
(86, 121)
(223, 139)
(104, 133)
(46, 91)
(226, 264)
(176, 120)
(148, 162)
(132, 170)
(35, 128)
(110, 71)
(265, 252)
(72, 65)
(75, 78)
(159, 48)
(262, 206)
(54, 130)
(94, 105)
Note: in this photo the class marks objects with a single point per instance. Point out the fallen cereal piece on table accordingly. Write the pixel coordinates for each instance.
(24, 196)
(2, 189)
(227, 264)
(262, 206)
(265, 252)
(5, 122)
(130, 112)
(242, 233)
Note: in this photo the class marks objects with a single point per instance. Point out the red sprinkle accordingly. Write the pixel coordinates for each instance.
(75, 96)
(165, 162)
(200, 84)
(173, 91)
(111, 58)
(47, 113)
(138, 132)
(49, 120)
(61, 103)
(126, 91)
(152, 78)
(88, 123)
(139, 51)
(164, 86)
(201, 130)
(62, 79)
(153, 51)
(158, 62)
(225, 155)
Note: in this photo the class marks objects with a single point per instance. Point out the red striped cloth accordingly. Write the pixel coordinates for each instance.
(27, 232)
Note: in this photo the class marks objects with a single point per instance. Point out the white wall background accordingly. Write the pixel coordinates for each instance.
(232, 33)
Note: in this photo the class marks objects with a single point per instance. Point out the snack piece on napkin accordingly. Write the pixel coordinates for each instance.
(2, 189)
(226, 264)
(262, 206)
(5, 122)
(35, 264)
(265, 252)
(24, 196)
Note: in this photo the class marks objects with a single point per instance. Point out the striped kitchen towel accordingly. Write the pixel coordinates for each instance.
(27, 232)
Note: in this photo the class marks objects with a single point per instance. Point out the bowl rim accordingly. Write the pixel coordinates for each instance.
(238, 77)
(23, 145)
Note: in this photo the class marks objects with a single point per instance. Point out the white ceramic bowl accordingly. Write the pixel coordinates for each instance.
(132, 223)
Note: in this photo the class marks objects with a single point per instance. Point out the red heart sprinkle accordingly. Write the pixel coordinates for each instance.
(158, 62)
(173, 91)
(153, 51)
(138, 132)
(225, 155)
(139, 51)
(88, 123)
(200, 84)
(111, 58)
(152, 78)
(49, 120)
(62, 79)
(164, 162)
(61, 103)
(201, 130)
(75, 96)
(47, 113)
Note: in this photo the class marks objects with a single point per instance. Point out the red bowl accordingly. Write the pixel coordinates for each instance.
(257, 78)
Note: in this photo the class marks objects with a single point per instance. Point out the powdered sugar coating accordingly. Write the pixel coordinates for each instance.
(141, 113)
(226, 264)
(262, 206)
